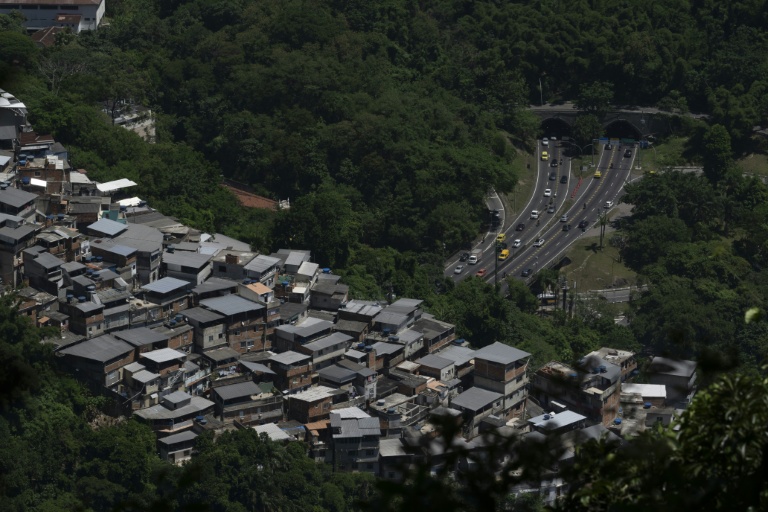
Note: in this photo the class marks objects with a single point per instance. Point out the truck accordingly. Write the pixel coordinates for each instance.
(474, 256)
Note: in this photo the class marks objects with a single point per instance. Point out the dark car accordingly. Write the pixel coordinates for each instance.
(553, 176)
(566, 227)
(553, 163)
(583, 224)
(628, 153)
(464, 256)
(520, 227)
(526, 272)
(563, 179)
(608, 147)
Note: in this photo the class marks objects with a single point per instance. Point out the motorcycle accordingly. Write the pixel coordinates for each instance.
(611, 166)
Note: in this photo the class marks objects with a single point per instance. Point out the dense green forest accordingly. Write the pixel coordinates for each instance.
(386, 123)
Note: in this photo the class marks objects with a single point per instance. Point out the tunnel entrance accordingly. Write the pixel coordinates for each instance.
(554, 127)
(621, 129)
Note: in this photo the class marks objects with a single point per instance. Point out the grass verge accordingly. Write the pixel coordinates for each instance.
(595, 269)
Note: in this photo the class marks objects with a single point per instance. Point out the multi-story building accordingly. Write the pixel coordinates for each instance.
(293, 370)
(502, 369)
(679, 377)
(244, 321)
(210, 331)
(355, 440)
(594, 393)
(476, 404)
(99, 360)
(247, 403)
(624, 359)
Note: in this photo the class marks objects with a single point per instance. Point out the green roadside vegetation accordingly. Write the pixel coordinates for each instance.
(593, 269)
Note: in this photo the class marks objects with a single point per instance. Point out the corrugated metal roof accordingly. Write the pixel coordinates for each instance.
(262, 263)
(214, 284)
(122, 250)
(186, 259)
(329, 341)
(337, 374)
(289, 357)
(382, 348)
(181, 437)
(459, 355)
(197, 404)
(296, 258)
(257, 367)
(501, 353)
(242, 389)
(475, 399)
(16, 198)
(140, 336)
(103, 348)
(434, 361)
(107, 227)
(163, 355)
(115, 185)
(231, 305)
(166, 285)
(202, 315)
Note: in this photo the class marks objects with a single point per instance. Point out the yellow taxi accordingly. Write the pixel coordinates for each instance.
(598, 174)
(544, 155)
(501, 237)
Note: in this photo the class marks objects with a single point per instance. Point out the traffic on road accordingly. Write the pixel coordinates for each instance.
(542, 232)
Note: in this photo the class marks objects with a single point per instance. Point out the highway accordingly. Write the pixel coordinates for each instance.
(568, 198)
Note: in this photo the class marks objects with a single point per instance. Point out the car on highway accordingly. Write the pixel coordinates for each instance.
(520, 227)
(481, 272)
(526, 272)
(545, 141)
(539, 242)
(501, 237)
(548, 192)
(544, 155)
(564, 218)
(517, 243)
(566, 227)
(564, 178)
(504, 254)
(534, 214)
(627, 153)
(553, 163)
(459, 269)
(608, 204)
(608, 147)
(598, 174)
(551, 209)
(583, 224)
(552, 176)
(464, 256)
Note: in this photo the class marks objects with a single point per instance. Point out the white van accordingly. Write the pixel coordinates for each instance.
(534, 214)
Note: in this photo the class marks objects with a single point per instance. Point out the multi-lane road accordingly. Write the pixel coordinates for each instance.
(579, 198)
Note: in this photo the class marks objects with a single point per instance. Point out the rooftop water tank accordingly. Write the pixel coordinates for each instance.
(91, 288)
(547, 416)
(60, 216)
(326, 270)
(81, 299)
(172, 323)
(99, 258)
(617, 421)
(25, 181)
(647, 405)
(246, 281)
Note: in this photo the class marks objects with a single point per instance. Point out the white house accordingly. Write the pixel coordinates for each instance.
(75, 14)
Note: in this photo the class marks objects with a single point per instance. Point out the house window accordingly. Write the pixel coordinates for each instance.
(37, 173)
(223, 268)
(242, 344)
(237, 332)
(210, 338)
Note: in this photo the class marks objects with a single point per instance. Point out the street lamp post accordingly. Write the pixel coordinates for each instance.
(541, 92)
